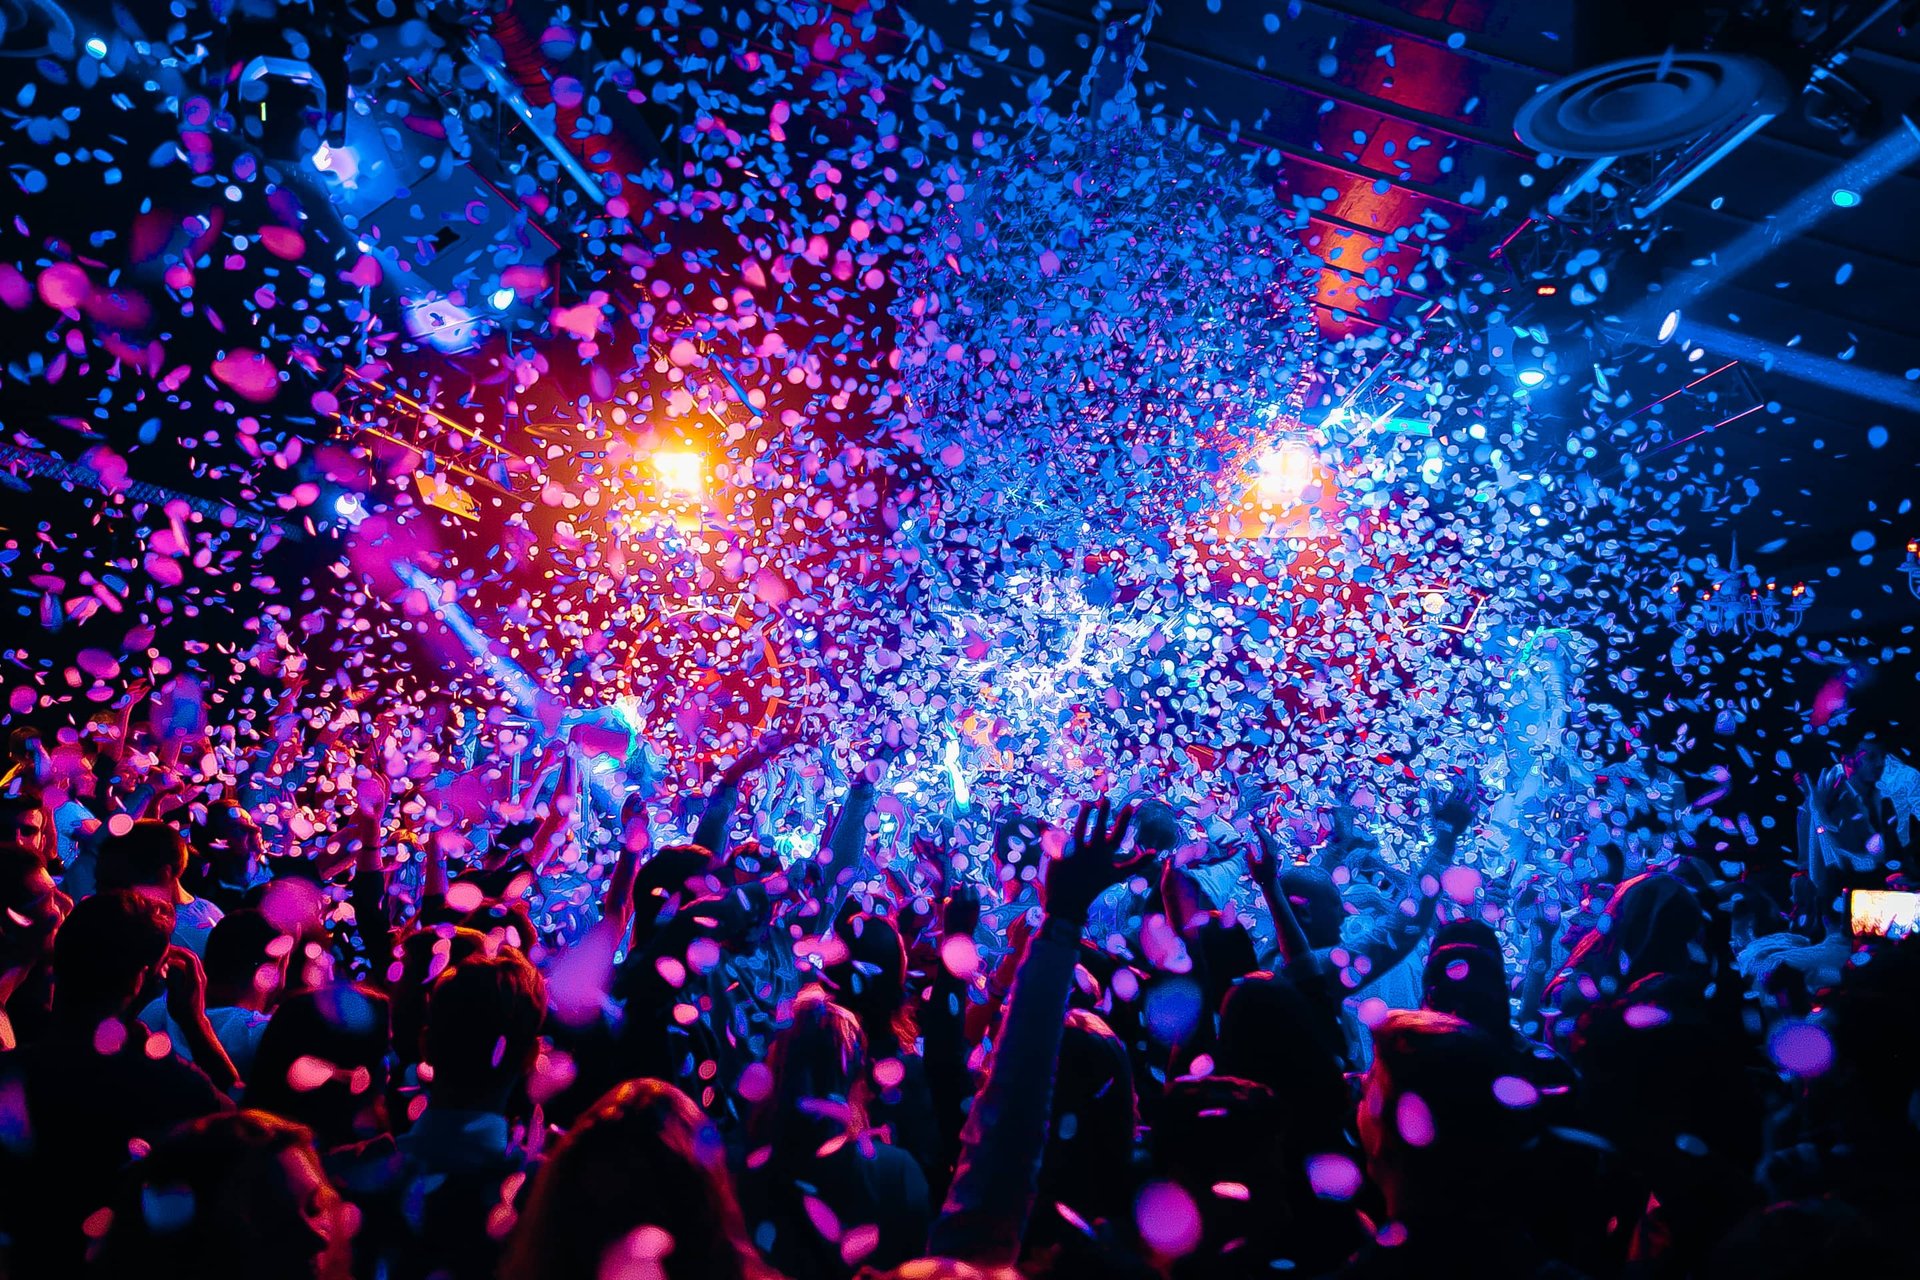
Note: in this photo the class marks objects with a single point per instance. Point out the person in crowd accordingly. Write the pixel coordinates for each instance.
(97, 1081)
(151, 857)
(24, 821)
(32, 908)
(533, 1037)
(240, 1195)
(246, 973)
(466, 1155)
(228, 869)
(638, 1186)
(815, 1171)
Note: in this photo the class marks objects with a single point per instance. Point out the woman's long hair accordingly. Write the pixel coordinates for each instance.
(871, 983)
(819, 1065)
(1654, 924)
(644, 1173)
(214, 1199)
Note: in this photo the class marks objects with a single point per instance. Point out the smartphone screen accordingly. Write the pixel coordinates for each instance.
(1883, 913)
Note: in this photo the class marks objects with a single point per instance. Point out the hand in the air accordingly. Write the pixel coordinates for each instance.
(1263, 861)
(1453, 810)
(960, 915)
(1091, 865)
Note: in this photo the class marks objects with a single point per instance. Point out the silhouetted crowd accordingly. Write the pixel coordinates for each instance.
(349, 1002)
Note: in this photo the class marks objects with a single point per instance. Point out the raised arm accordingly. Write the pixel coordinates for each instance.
(1263, 863)
(848, 837)
(716, 819)
(1542, 926)
(986, 1211)
(1449, 814)
(943, 1029)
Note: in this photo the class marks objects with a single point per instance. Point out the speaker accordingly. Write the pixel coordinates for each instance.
(1647, 104)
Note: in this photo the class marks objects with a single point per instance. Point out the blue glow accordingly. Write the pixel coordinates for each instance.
(501, 299)
(508, 674)
(1532, 377)
(1844, 188)
(97, 47)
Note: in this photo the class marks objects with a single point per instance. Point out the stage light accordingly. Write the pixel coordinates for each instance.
(343, 162)
(1845, 197)
(682, 473)
(501, 299)
(350, 508)
(1284, 474)
(97, 47)
(1532, 377)
(1668, 325)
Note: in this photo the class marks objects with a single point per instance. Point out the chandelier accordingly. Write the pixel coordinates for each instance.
(1736, 602)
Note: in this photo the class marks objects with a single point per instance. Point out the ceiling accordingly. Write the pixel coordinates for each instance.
(1397, 114)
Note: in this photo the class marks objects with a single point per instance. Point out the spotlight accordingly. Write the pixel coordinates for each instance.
(682, 473)
(350, 508)
(1668, 325)
(1285, 472)
(343, 162)
(1532, 377)
(1845, 197)
(97, 48)
(501, 299)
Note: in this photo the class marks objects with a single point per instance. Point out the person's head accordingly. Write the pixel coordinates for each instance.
(148, 857)
(24, 821)
(1273, 1035)
(230, 841)
(240, 1194)
(819, 1065)
(1316, 904)
(1088, 1160)
(31, 907)
(246, 960)
(424, 955)
(871, 980)
(1468, 981)
(1156, 827)
(1654, 924)
(643, 1174)
(105, 953)
(1666, 1077)
(1471, 932)
(483, 1029)
(1211, 1132)
(23, 743)
(1867, 763)
(1442, 1122)
(322, 1061)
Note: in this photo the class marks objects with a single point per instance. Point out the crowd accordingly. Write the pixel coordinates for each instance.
(361, 996)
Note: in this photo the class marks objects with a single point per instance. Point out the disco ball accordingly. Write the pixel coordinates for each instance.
(1105, 322)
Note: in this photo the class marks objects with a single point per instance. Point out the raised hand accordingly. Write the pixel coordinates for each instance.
(960, 915)
(757, 754)
(186, 982)
(1090, 865)
(1452, 811)
(1263, 860)
(1825, 796)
